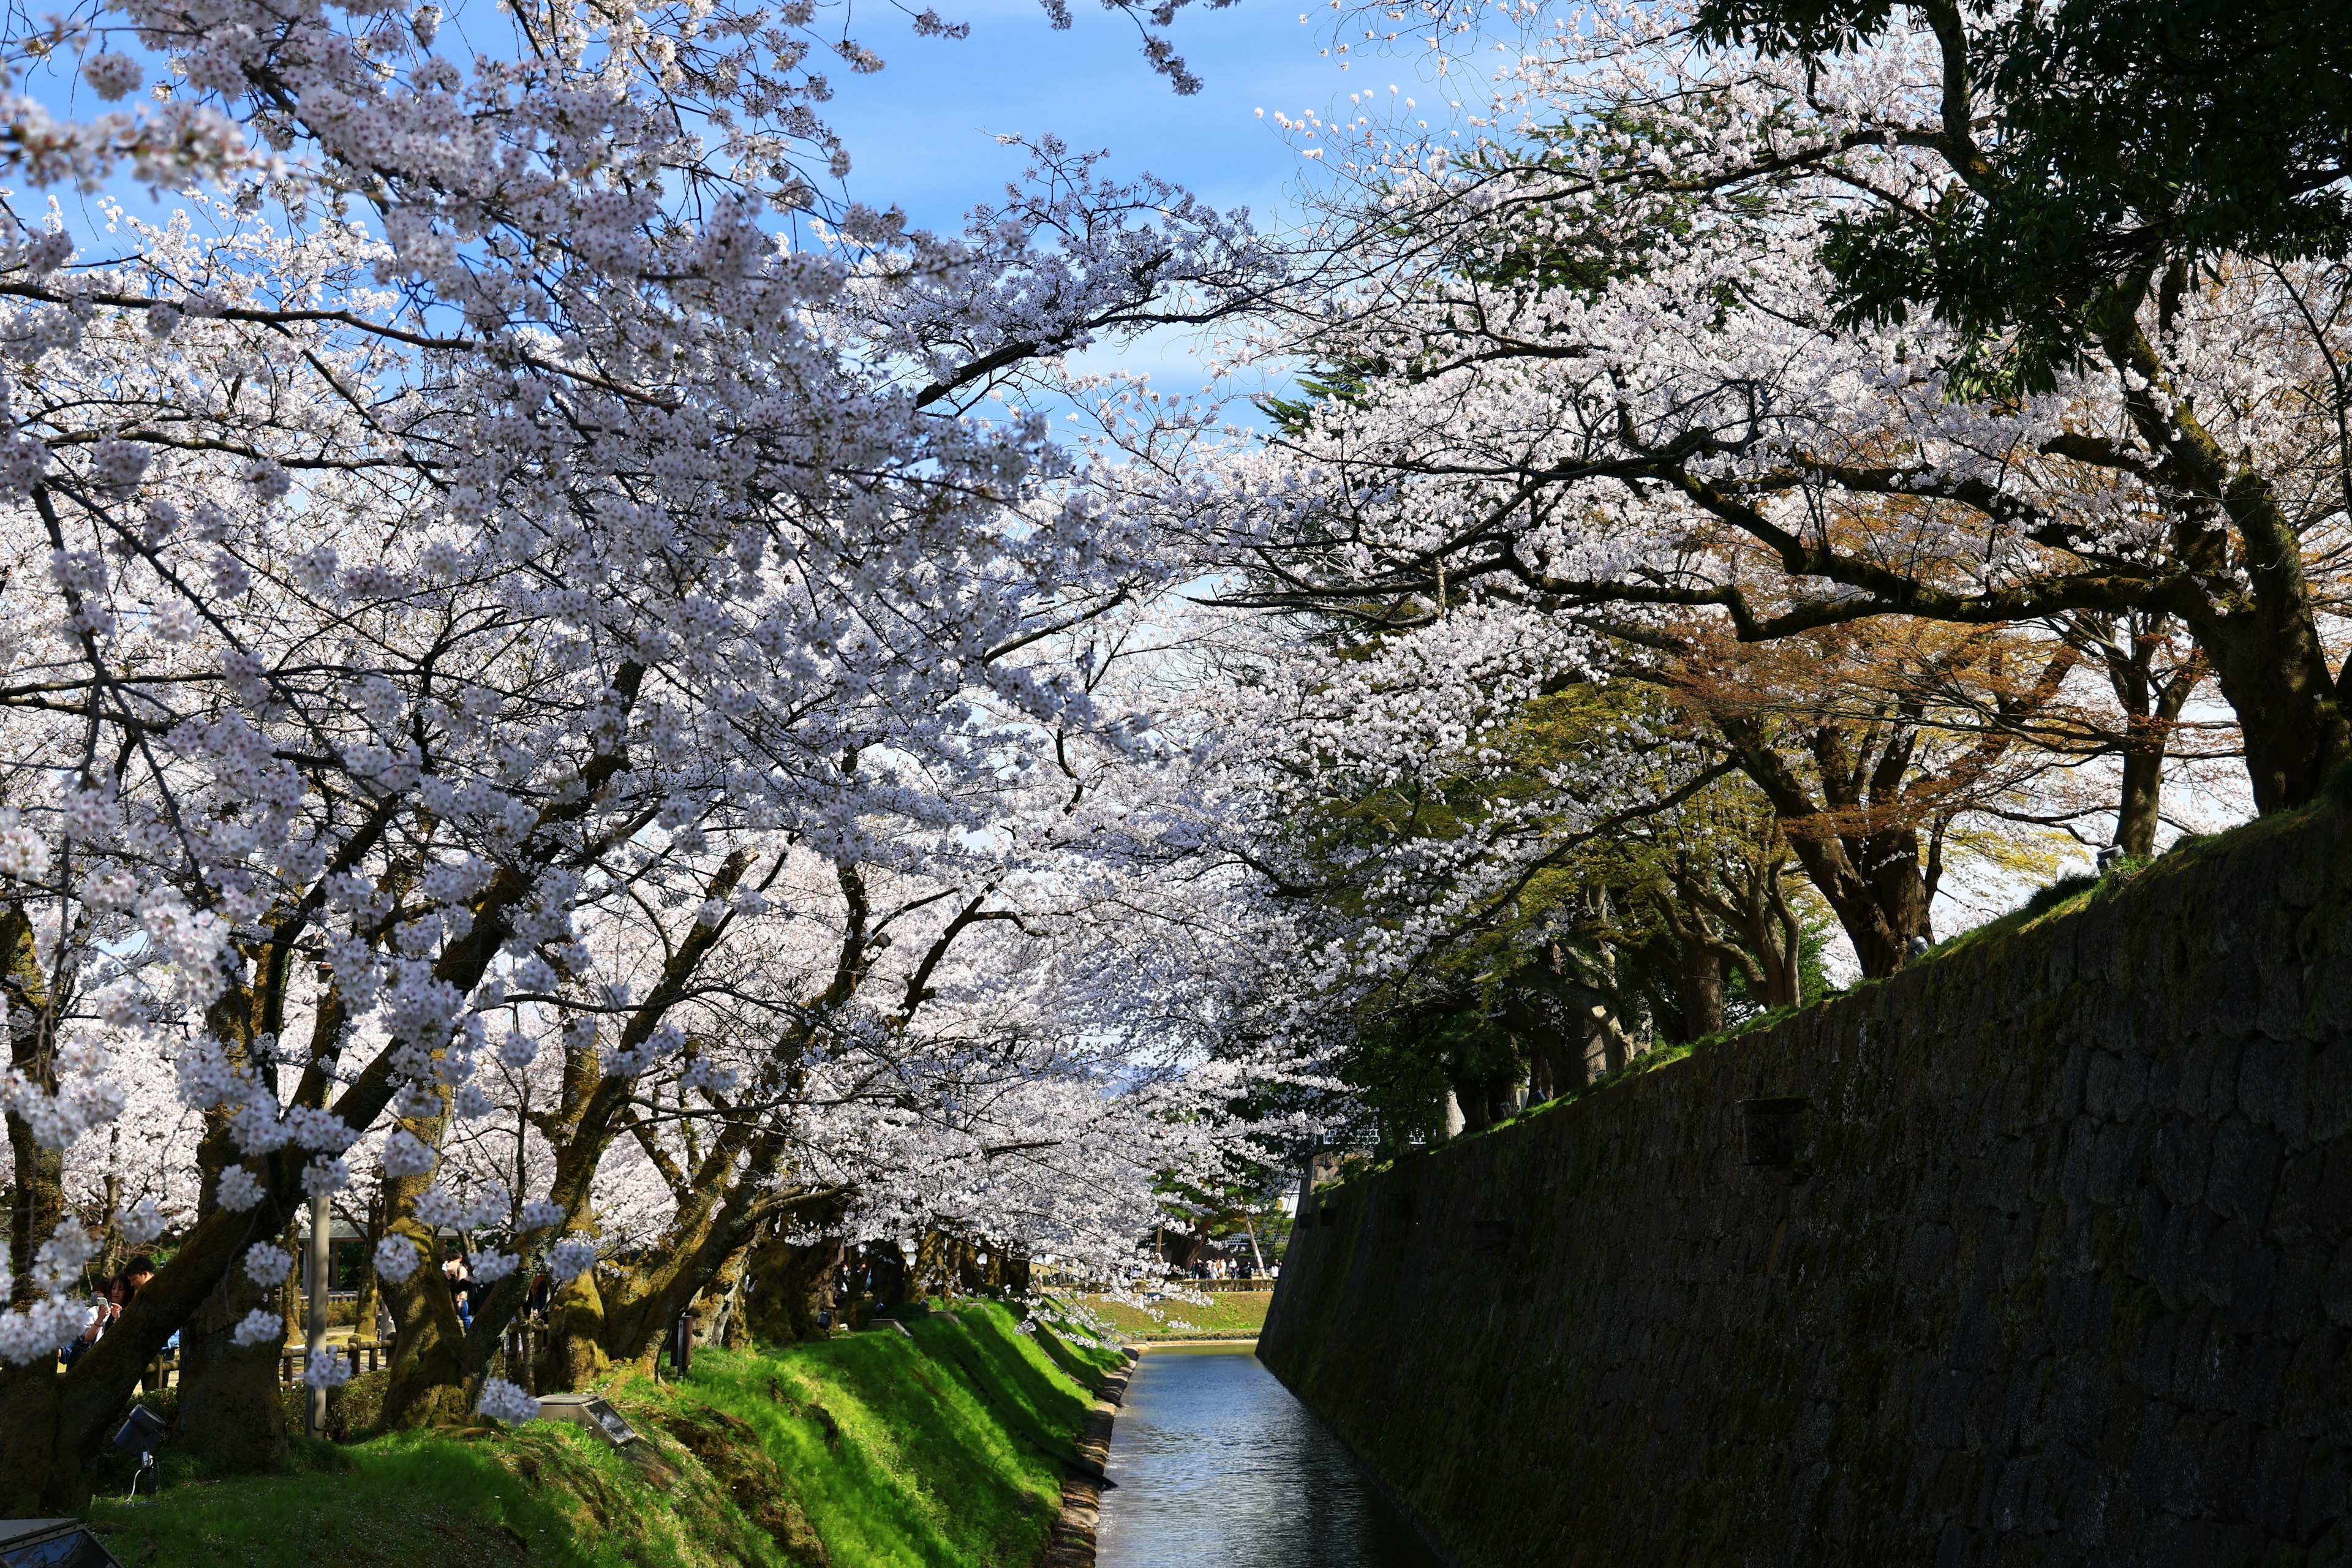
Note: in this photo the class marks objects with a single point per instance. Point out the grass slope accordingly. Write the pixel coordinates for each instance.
(1228, 1315)
(945, 1448)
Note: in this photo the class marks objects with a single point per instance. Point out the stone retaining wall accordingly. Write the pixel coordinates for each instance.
(2053, 1266)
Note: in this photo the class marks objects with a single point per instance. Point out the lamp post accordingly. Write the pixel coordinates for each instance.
(315, 1345)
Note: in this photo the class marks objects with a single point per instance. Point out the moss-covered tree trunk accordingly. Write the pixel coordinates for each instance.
(54, 1426)
(231, 1415)
(37, 1199)
(723, 1300)
(572, 1355)
(428, 1385)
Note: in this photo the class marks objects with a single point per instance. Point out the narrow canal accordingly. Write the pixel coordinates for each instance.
(1217, 1464)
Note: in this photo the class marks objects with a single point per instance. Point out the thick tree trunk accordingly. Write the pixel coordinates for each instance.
(1699, 982)
(1470, 1094)
(428, 1385)
(36, 1205)
(231, 1414)
(2139, 803)
(2150, 715)
(789, 1285)
(574, 1355)
(724, 1301)
(1777, 938)
(1538, 1012)
(931, 1263)
(1872, 877)
(371, 1290)
(2268, 664)
(2263, 641)
(886, 1269)
(1882, 913)
(33, 1481)
(1605, 1044)
(39, 1198)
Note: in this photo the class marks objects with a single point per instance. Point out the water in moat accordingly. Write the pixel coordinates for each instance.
(1219, 1464)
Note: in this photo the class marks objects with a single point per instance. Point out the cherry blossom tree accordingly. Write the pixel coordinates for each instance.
(1628, 357)
(468, 643)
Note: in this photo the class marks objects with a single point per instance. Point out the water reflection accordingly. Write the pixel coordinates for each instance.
(1217, 1464)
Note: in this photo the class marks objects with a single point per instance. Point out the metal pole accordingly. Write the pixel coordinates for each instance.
(315, 1347)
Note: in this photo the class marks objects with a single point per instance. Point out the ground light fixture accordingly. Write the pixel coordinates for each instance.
(140, 1434)
(592, 1412)
(51, 1543)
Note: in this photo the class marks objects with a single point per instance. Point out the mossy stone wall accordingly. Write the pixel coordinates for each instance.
(2060, 1273)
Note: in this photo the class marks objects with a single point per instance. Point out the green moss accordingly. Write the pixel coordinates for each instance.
(2073, 893)
(947, 1446)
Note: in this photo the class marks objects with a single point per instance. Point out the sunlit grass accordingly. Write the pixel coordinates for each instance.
(946, 1448)
(1228, 1314)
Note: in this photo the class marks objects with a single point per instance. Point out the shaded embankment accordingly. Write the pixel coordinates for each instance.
(2047, 1262)
(945, 1445)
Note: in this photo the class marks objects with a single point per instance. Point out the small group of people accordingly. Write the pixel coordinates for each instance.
(1223, 1268)
(108, 1305)
(462, 1288)
(468, 1292)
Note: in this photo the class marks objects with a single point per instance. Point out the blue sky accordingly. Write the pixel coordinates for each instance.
(922, 132)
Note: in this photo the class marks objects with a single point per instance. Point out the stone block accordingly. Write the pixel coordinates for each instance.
(2331, 1082)
(2129, 1097)
(2273, 1483)
(2177, 1156)
(2335, 1296)
(2180, 1269)
(2074, 1168)
(2319, 1512)
(2274, 1084)
(2111, 1174)
(2193, 1061)
(2086, 1310)
(2242, 1277)
(2102, 1076)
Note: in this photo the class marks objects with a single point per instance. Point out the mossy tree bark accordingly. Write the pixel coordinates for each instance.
(789, 1284)
(428, 1383)
(371, 1296)
(573, 1354)
(230, 1412)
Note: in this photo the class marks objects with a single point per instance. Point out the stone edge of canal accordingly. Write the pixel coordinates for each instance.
(1082, 1482)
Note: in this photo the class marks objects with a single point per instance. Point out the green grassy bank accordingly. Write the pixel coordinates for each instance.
(942, 1446)
(1226, 1315)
